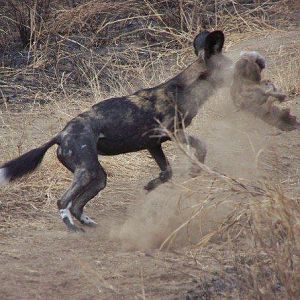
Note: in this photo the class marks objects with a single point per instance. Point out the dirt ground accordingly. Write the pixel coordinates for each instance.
(39, 259)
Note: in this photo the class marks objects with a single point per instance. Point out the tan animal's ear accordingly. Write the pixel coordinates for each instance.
(213, 43)
(199, 41)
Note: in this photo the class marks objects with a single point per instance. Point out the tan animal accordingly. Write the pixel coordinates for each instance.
(258, 96)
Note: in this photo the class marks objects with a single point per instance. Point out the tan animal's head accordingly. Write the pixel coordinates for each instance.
(249, 66)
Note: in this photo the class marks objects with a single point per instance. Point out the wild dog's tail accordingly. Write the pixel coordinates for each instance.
(25, 163)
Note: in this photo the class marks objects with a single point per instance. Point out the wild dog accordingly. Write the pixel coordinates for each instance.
(257, 96)
(128, 124)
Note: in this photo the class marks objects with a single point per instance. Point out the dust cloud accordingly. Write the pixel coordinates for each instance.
(172, 216)
(235, 143)
(236, 139)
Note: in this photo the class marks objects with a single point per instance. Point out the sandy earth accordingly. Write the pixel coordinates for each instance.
(39, 259)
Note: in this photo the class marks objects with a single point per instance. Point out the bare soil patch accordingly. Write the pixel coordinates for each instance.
(119, 259)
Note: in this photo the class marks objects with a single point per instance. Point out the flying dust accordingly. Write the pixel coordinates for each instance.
(183, 211)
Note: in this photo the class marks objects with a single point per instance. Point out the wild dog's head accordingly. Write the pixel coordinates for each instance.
(209, 45)
(249, 66)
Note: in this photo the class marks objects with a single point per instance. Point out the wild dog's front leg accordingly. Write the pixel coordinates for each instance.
(200, 150)
(166, 171)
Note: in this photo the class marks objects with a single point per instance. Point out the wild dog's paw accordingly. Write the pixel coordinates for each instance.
(67, 219)
(86, 220)
(151, 185)
(73, 228)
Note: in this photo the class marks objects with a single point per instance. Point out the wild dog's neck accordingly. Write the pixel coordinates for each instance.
(192, 86)
(191, 74)
(190, 89)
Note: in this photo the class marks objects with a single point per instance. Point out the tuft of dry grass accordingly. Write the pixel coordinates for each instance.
(262, 243)
(287, 70)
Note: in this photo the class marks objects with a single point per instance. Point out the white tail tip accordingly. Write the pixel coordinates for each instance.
(4, 179)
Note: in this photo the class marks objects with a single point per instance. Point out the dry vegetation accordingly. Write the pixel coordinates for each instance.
(58, 57)
(71, 48)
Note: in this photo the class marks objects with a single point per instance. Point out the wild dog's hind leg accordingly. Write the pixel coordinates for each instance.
(78, 153)
(97, 183)
(66, 201)
(198, 145)
(166, 171)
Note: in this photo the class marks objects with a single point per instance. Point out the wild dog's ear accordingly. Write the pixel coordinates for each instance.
(213, 43)
(199, 41)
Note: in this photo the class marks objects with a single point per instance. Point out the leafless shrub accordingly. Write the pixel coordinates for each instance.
(167, 24)
(28, 16)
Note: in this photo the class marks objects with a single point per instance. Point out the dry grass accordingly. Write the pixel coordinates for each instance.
(268, 262)
(287, 72)
(255, 247)
(74, 49)
(252, 243)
